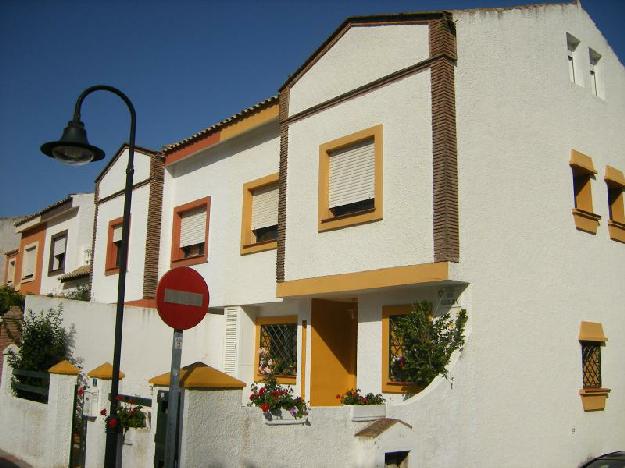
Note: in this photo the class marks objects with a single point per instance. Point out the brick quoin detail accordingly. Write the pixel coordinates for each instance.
(153, 235)
(95, 231)
(9, 331)
(444, 142)
(283, 114)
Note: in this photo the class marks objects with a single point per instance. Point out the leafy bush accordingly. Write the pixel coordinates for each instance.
(353, 397)
(81, 293)
(427, 343)
(9, 297)
(44, 343)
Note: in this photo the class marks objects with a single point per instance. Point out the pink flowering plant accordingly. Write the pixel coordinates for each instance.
(128, 415)
(268, 364)
(353, 397)
(272, 398)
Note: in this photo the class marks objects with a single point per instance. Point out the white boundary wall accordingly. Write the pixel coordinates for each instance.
(146, 345)
(35, 432)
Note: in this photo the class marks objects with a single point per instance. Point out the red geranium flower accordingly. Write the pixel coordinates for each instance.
(264, 407)
(262, 391)
(112, 423)
(338, 396)
(119, 398)
(81, 391)
(103, 412)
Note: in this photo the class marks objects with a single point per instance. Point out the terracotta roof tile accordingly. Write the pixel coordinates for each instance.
(243, 113)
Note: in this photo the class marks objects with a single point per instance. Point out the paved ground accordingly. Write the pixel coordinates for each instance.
(9, 461)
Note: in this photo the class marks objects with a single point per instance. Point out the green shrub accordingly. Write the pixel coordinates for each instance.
(427, 343)
(9, 297)
(44, 343)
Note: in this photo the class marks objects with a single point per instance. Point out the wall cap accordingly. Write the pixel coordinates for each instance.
(104, 372)
(64, 368)
(198, 375)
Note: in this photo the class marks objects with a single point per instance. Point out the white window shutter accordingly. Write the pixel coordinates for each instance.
(193, 227)
(265, 207)
(352, 174)
(29, 262)
(231, 319)
(117, 233)
(11, 272)
(59, 246)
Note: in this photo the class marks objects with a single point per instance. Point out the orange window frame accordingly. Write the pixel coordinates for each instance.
(583, 172)
(110, 265)
(326, 219)
(388, 385)
(7, 260)
(249, 244)
(615, 181)
(177, 255)
(274, 320)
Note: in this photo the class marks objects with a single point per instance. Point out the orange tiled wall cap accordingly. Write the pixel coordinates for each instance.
(199, 375)
(162, 380)
(591, 331)
(64, 368)
(104, 372)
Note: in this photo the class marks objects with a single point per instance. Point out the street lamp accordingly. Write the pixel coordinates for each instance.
(73, 148)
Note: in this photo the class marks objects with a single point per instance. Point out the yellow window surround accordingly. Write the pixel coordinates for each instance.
(615, 181)
(591, 335)
(274, 320)
(583, 172)
(388, 385)
(249, 244)
(328, 220)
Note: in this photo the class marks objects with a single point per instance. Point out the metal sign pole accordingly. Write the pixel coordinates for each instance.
(172, 400)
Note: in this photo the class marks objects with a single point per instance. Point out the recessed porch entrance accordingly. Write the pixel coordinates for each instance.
(334, 331)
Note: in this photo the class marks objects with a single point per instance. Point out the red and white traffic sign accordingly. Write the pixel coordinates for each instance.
(182, 298)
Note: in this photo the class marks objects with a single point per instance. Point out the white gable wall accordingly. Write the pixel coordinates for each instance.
(115, 178)
(220, 173)
(361, 55)
(78, 222)
(534, 277)
(104, 287)
(404, 235)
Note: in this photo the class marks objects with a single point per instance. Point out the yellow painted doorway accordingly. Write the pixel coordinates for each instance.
(334, 331)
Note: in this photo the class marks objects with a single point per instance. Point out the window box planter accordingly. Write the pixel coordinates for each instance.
(282, 418)
(136, 435)
(593, 399)
(367, 412)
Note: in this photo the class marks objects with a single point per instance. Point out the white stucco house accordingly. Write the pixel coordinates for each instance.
(54, 251)
(473, 159)
(144, 217)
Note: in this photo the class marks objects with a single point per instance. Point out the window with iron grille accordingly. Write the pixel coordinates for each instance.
(395, 353)
(276, 348)
(591, 364)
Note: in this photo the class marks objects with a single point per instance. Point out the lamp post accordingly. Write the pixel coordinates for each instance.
(73, 148)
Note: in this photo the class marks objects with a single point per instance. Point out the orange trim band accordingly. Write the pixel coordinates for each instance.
(364, 280)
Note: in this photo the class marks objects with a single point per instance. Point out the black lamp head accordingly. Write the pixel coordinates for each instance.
(73, 147)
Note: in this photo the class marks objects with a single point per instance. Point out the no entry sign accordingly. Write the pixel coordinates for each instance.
(182, 298)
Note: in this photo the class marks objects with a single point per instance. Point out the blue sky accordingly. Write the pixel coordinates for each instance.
(184, 64)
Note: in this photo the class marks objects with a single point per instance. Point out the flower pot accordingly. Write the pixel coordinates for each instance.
(282, 418)
(367, 412)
